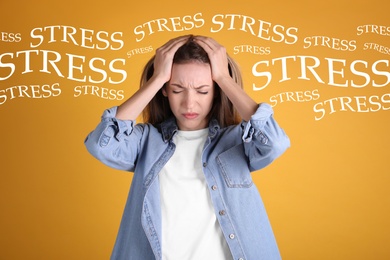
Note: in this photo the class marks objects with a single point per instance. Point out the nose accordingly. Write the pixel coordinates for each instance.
(189, 100)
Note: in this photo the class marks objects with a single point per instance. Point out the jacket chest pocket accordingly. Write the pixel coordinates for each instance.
(234, 167)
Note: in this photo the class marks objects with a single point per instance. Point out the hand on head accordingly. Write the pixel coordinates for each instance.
(164, 57)
(217, 55)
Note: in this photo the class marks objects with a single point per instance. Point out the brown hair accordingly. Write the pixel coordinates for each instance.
(158, 109)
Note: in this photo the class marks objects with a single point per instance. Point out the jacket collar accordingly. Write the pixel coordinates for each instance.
(169, 128)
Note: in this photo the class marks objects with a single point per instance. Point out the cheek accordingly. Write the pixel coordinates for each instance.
(209, 101)
(174, 101)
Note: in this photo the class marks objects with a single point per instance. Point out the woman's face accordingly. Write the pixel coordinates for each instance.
(190, 93)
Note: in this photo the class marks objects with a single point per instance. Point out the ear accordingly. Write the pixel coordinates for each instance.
(164, 91)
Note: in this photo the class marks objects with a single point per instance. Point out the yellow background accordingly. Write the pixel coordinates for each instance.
(327, 197)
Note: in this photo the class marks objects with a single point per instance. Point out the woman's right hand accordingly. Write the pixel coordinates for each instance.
(163, 60)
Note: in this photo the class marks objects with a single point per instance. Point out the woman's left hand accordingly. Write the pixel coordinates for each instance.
(217, 55)
(244, 104)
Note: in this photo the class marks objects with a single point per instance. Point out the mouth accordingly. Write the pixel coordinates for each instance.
(190, 115)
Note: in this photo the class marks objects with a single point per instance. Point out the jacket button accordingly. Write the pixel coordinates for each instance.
(222, 212)
(231, 236)
(214, 187)
(204, 164)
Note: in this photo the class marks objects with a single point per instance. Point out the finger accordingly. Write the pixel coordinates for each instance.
(177, 44)
(204, 45)
(210, 42)
(169, 50)
(174, 42)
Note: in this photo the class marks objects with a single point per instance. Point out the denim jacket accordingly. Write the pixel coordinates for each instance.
(229, 156)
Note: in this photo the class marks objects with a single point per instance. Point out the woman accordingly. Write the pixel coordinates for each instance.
(192, 196)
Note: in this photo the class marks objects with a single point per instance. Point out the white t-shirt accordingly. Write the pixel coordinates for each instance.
(190, 229)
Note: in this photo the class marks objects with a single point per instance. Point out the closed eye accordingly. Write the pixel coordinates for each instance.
(177, 88)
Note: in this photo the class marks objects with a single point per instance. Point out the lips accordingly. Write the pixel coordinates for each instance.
(190, 115)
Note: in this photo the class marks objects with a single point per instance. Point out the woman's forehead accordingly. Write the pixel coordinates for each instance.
(193, 68)
(195, 73)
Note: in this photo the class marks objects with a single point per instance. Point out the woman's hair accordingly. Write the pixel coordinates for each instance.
(158, 109)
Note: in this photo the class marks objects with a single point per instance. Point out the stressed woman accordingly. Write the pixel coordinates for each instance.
(192, 195)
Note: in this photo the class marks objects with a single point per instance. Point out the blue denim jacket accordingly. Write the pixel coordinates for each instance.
(229, 155)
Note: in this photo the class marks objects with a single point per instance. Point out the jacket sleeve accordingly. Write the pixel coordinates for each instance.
(264, 140)
(115, 142)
